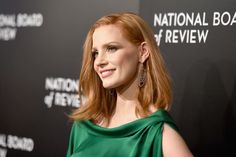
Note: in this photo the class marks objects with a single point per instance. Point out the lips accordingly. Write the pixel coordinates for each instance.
(106, 72)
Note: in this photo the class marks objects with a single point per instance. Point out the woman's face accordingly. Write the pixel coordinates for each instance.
(115, 58)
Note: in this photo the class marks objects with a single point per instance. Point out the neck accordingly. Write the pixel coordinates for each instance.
(127, 99)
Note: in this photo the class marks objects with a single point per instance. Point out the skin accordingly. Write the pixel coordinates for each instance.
(111, 50)
(178, 146)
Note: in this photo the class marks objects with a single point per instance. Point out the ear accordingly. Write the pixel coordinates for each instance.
(143, 52)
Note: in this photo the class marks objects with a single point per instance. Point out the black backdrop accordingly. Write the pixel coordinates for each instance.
(204, 72)
(40, 57)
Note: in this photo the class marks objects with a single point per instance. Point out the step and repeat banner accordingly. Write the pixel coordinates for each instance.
(197, 39)
(40, 58)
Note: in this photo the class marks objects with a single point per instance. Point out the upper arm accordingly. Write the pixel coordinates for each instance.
(72, 140)
(173, 144)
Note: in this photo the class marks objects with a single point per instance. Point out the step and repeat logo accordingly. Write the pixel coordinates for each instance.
(61, 92)
(9, 23)
(190, 28)
(16, 143)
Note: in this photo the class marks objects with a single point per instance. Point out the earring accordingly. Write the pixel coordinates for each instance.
(142, 78)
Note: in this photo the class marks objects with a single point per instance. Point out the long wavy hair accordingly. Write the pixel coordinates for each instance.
(98, 103)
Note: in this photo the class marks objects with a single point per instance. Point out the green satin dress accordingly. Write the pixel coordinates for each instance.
(139, 138)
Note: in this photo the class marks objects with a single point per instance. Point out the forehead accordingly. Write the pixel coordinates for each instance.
(108, 33)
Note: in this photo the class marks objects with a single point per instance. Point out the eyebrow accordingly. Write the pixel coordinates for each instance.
(106, 44)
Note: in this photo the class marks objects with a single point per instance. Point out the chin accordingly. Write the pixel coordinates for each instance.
(109, 85)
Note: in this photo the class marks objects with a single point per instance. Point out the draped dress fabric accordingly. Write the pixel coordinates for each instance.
(139, 138)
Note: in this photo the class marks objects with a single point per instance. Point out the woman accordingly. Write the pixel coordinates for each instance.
(127, 94)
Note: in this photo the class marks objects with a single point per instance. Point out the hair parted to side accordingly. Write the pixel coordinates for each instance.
(99, 103)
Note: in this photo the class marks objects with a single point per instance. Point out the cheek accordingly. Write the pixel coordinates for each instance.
(126, 61)
(130, 60)
(125, 58)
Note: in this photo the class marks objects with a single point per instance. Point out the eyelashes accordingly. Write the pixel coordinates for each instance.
(109, 49)
(94, 54)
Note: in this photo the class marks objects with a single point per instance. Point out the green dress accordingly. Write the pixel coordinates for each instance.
(139, 138)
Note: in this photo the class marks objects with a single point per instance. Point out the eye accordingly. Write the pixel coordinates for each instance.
(112, 48)
(94, 54)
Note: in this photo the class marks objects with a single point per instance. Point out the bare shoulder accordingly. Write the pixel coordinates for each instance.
(173, 144)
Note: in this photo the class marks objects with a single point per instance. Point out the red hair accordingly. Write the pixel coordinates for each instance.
(99, 103)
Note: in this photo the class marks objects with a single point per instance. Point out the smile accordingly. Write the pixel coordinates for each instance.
(107, 73)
